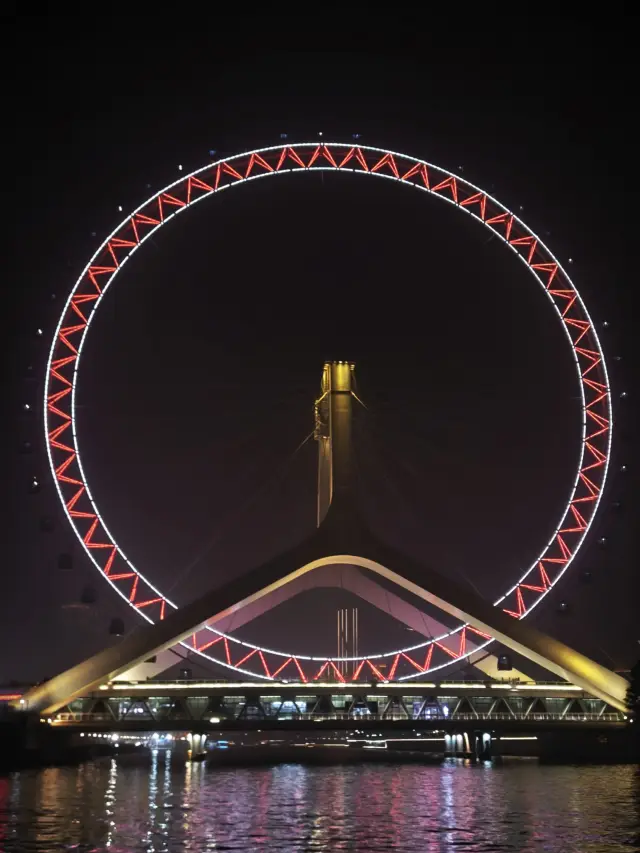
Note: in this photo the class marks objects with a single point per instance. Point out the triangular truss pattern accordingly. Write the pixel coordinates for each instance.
(63, 366)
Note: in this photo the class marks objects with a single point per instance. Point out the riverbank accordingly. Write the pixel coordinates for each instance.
(27, 745)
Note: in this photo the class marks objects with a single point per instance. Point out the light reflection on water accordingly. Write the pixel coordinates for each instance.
(164, 805)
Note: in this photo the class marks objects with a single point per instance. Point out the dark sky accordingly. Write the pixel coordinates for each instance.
(205, 357)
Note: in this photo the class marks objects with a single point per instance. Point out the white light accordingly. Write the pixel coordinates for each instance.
(180, 167)
(39, 331)
(531, 737)
(214, 719)
(120, 208)
(467, 184)
(463, 685)
(545, 687)
(22, 701)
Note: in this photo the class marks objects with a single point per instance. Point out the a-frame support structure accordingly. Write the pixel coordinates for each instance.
(342, 538)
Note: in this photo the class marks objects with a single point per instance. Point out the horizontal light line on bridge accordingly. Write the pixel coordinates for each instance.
(339, 685)
(530, 737)
(549, 687)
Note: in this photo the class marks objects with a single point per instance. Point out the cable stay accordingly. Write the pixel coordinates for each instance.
(228, 521)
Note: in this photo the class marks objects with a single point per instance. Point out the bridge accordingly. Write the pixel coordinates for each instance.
(119, 686)
(170, 705)
(249, 721)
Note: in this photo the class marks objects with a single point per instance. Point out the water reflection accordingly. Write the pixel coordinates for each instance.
(165, 806)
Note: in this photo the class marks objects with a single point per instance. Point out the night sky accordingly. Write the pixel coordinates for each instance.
(202, 364)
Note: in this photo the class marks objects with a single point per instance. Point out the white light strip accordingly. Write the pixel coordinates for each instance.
(398, 740)
(169, 215)
(356, 686)
(231, 685)
(415, 739)
(529, 737)
(545, 687)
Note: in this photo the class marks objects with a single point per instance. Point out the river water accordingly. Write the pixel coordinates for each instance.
(519, 806)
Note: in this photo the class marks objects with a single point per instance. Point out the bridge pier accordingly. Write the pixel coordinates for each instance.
(483, 745)
(197, 746)
(457, 745)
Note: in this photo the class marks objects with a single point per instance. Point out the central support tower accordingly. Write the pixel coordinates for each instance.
(333, 434)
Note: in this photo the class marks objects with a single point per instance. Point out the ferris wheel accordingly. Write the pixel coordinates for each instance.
(64, 442)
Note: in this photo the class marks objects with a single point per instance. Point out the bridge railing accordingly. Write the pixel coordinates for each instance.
(580, 718)
(84, 718)
(313, 717)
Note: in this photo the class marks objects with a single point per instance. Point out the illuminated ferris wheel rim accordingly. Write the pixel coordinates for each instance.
(69, 339)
